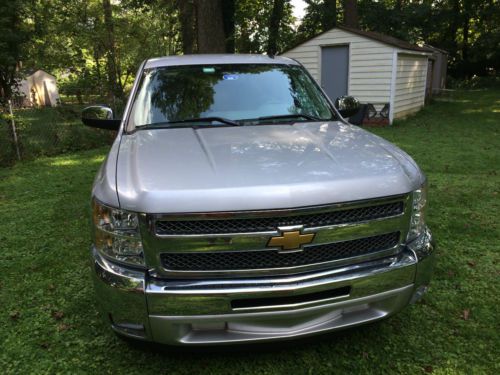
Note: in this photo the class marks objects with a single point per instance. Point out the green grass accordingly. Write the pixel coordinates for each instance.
(49, 324)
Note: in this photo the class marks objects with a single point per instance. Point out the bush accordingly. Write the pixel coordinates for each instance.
(475, 82)
(7, 150)
(49, 132)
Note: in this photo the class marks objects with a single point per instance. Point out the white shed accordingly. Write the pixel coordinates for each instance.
(376, 68)
(39, 88)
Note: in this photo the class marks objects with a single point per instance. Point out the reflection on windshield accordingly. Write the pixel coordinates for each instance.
(235, 92)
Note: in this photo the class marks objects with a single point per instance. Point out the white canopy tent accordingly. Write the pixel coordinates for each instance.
(39, 89)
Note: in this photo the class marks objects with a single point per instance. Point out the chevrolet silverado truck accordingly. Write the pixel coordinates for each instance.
(237, 205)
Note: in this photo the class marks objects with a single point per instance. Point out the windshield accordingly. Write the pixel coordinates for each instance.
(235, 94)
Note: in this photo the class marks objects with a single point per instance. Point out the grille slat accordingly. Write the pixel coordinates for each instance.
(265, 224)
(265, 259)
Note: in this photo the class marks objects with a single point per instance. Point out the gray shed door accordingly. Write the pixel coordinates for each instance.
(334, 70)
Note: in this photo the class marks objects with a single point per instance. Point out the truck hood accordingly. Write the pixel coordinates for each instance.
(258, 167)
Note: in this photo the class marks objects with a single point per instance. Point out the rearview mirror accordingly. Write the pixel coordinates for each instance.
(347, 105)
(100, 116)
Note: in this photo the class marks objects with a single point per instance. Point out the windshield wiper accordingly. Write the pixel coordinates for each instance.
(288, 116)
(195, 120)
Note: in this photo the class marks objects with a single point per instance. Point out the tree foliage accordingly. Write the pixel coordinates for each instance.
(457, 26)
(95, 46)
(13, 35)
(468, 29)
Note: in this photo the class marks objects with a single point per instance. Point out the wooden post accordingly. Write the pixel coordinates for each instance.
(14, 130)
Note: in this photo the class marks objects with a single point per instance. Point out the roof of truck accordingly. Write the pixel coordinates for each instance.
(217, 59)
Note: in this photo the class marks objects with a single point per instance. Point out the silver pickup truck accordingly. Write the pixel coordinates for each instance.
(237, 205)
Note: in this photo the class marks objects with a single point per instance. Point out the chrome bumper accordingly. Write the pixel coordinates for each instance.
(204, 312)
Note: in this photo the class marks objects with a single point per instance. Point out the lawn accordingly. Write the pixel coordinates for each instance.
(49, 324)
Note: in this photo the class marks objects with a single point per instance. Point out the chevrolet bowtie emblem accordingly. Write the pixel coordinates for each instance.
(291, 240)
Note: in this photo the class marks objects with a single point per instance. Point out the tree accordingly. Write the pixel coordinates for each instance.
(210, 26)
(351, 18)
(252, 20)
(228, 15)
(13, 36)
(115, 89)
(467, 29)
(187, 17)
(329, 19)
(274, 26)
(320, 16)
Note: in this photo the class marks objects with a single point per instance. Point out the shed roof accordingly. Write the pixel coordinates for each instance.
(386, 39)
(435, 49)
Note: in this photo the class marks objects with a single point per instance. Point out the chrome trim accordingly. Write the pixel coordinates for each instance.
(215, 296)
(121, 296)
(278, 283)
(154, 245)
(424, 248)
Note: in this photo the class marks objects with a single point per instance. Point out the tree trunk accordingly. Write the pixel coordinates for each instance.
(114, 88)
(329, 17)
(228, 10)
(454, 28)
(7, 80)
(351, 18)
(399, 5)
(465, 38)
(187, 18)
(210, 26)
(274, 26)
(98, 70)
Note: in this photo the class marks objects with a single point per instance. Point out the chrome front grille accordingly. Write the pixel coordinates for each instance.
(266, 259)
(265, 224)
(234, 244)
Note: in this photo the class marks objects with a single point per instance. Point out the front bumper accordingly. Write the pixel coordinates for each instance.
(222, 311)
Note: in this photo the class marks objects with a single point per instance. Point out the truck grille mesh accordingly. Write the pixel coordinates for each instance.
(265, 224)
(248, 260)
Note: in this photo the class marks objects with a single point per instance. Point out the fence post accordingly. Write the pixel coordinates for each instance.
(14, 131)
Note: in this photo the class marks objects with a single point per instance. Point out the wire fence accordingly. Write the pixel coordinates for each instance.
(46, 132)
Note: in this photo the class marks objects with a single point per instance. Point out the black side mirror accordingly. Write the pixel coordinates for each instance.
(347, 105)
(100, 116)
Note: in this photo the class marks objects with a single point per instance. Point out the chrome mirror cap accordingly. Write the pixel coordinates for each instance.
(100, 116)
(347, 105)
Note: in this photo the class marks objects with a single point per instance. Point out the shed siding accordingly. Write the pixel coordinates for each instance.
(410, 84)
(370, 64)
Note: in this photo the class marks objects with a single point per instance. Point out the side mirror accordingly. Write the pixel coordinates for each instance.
(347, 105)
(99, 116)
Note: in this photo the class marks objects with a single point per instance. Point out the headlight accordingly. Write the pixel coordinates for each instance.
(419, 203)
(116, 234)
